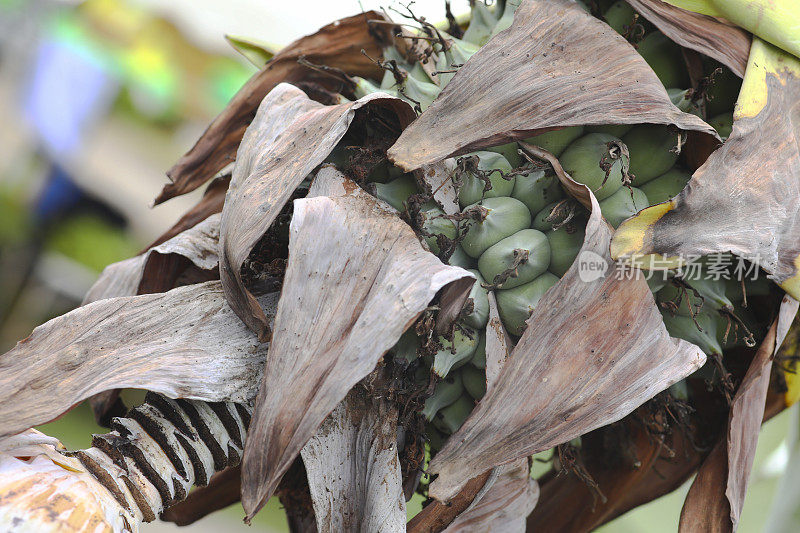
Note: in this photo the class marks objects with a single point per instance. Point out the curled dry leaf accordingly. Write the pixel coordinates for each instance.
(211, 202)
(158, 269)
(594, 350)
(745, 198)
(538, 75)
(353, 468)
(337, 45)
(38, 483)
(438, 176)
(728, 44)
(202, 351)
(714, 502)
(289, 137)
(357, 277)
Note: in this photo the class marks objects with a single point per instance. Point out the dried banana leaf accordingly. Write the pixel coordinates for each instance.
(289, 137)
(715, 38)
(594, 350)
(353, 468)
(211, 202)
(337, 45)
(357, 277)
(714, 502)
(186, 343)
(745, 198)
(556, 66)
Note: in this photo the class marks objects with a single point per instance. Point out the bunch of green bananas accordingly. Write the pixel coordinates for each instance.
(518, 231)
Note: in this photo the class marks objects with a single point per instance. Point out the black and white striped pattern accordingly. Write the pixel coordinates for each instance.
(154, 455)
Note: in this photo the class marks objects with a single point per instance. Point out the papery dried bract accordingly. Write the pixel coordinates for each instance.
(357, 277)
(556, 66)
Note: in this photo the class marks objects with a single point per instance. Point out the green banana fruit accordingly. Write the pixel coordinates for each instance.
(450, 60)
(619, 16)
(461, 259)
(582, 160)
(516, 305)
(474, 381)
(565, 244)
(452, 417)
(623, 204)
(447, 391)
(480, 303)
(456, 353)
(651, 149)
(540, 221)
(396, 192)
(536, 189)
(482, 22)
(479, 358)
(723, 124)
(684, 327)
(503, 218)
(666, 186)
(510, 151)
(556, 141)
(500, 257)
(472, 187)
(434, 224)
(665, 58)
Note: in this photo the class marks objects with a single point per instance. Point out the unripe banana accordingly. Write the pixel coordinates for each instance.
(447, 391)
(684, 327)
(623, 204)
(461, 259)
(452, 417)
(500, 257)
(510, 151)
(472, 187)
(760, 286)
(565, 244)
(582, 159)
(651, 149)
(665, 58)
(482, 22)
(556, 141)
(516, 305)
(479, 357)
(507, 18)
(615, 130)
(436, 439)
(723, 124)
(721, 96)
(540, 221)
(536, 189)
(406, 346)
(474, 381)
(434, 224)
(455, 354)
(680, 390)
(619, 16)
(364, 87)
(396, 192)
(449, 60)
(480, 303)
(656, 282)
(666, 186)
(503, 218)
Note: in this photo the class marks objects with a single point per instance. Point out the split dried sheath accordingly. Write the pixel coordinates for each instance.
(154, 455)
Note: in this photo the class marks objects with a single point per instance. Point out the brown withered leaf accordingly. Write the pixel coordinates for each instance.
(211, 202)
(498, 343)
(728, 44)
(221, 491)
(158, 269)
(438, 177)
(714, 502)
(436, 516)
(186, 343)
(289, 137)
(353, 468)
(744, 198)
(337, 45)
(357, 277)
(594, 350)
(556, 66)
(509, 499)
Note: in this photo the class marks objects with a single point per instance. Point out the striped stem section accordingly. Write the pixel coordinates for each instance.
(154, 455)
